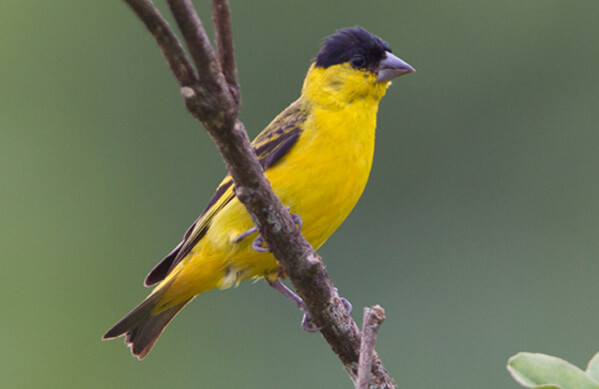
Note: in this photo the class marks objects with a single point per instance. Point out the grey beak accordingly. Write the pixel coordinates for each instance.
(392, 67)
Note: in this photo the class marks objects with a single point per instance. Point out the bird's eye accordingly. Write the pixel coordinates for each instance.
(358, 61)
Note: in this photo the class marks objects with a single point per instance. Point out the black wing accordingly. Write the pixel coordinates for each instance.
(270, 146)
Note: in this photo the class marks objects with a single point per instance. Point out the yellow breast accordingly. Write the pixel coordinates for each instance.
(321, 178)
(325, 173)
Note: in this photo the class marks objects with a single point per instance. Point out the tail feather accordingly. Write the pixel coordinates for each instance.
(141, 327)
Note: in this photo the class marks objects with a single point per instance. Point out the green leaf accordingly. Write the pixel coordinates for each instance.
(593, 368)
(544, 371)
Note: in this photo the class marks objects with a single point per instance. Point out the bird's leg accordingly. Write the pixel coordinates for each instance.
(245, 234)
(297, 300)
(258, 243)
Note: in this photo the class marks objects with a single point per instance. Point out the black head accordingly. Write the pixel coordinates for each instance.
(354, 45)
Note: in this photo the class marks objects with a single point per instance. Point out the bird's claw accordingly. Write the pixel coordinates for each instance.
(258, 243)
(347, 305)
(297, 219)
(307, 324)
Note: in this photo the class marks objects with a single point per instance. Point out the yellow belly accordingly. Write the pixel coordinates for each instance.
(320, 179)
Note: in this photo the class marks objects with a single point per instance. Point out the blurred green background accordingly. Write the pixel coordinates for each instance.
(478, 231)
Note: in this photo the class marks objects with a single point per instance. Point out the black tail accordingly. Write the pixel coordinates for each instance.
(142, 328)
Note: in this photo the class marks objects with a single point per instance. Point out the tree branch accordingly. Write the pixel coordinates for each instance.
(373, 318)
(221, 18)
(210, 101)
(167, 41)
(197, 41)
(212, 93)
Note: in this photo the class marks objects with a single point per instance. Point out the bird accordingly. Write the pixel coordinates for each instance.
(317, 154)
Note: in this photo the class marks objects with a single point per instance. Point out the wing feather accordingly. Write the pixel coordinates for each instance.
(270, 146)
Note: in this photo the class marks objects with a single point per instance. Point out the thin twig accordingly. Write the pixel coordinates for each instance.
(209, 100)
(167, 41)
(196, 39)
(373, 318)
(221, 18)
(211, 79)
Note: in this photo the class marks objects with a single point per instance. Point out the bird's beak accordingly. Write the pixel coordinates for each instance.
(392, 67)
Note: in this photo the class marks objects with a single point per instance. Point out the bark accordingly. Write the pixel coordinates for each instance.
(373, 318)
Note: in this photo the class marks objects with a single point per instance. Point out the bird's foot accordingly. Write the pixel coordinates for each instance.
(297, 219)
(245, 234)
(307, 323)
(258, 244)
(347, 305)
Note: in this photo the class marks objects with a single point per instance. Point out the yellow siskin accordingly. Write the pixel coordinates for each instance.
(317, 154)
